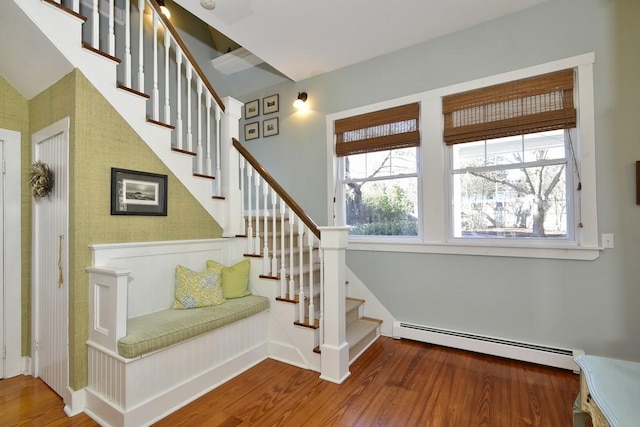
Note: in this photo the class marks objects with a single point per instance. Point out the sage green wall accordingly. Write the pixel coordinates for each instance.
(99, 140)
(593, 305)
(14, 115)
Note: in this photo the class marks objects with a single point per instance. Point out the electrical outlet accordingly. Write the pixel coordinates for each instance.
(607, 241)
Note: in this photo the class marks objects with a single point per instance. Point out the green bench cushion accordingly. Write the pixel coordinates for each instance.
(161, 329)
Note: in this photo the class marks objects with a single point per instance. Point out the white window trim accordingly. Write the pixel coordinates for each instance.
(434, 169)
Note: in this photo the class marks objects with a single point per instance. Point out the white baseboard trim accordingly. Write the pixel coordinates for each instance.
(527, 352)
(27, 365)
(75, 402)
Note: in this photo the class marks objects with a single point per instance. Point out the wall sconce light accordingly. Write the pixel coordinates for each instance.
(299, 102)
(165, 11)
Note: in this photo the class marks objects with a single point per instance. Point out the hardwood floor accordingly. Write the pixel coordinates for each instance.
(394, 383)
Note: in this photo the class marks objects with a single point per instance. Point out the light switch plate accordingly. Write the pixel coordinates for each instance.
(607, 241)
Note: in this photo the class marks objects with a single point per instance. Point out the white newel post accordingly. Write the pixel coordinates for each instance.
(334, 364)
(230, 164)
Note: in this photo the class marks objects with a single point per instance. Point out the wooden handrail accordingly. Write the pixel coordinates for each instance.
(186, 52)
(277, 188)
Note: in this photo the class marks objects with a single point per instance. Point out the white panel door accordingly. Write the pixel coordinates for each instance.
(10, 253)
(50, 261)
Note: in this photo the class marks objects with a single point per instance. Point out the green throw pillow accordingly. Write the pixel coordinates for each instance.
(197, 289)
(235, 279)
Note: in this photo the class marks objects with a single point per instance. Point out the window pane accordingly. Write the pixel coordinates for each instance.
(383, 208)
(468, 155)
(544, 145)
(516, 203)
(381, 164)
(504, 151)
(510, 150)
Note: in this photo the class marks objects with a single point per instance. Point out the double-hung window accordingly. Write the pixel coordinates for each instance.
(512, 173)
(378, 171)
(499, 166)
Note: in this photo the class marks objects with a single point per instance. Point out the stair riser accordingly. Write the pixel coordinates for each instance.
(356, 348)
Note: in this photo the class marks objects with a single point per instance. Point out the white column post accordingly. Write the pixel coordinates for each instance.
(108, 305)
(230, 163)
(334, 364)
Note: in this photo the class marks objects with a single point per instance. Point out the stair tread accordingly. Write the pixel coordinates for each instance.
(359, 329)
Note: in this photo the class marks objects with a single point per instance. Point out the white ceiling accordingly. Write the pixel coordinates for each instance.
(299, 38)
(28, 60)
(302, 38)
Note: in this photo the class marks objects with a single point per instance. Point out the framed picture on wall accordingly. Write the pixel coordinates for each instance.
(138, 193)
(251, 131)
(271, 104)
(270, 127)
(251, 109)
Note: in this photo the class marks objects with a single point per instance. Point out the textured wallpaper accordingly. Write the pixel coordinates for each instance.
(99, 140)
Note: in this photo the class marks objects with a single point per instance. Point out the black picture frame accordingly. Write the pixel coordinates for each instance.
(271, 104)
(270, 127)
(138, 193)
(252, 109)
(251, 131)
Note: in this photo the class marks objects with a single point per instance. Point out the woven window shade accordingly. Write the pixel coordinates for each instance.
(388, 129)
(535, 104)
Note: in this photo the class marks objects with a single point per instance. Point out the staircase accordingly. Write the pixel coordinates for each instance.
(361, 331)
(195, 133)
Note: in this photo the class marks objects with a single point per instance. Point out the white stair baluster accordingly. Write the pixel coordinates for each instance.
(218, 163)
(312, 315)
(95, 25)
(167, 46)
(188, 89)
(209, 145)
(76, 5)
(265, 229)
(141, 6)
(249, 221)
(292, 289)
(179, 138)
(199, 151)
(156, 93)
(127, 43)
(242, 172)
(112, 33)
(283, 254)
(274, 223)
(256, 182)
(301, 294)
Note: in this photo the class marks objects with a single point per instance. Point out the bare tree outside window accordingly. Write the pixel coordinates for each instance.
(512, 187)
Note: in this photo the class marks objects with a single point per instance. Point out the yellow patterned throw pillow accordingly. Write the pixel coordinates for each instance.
(235, 279)
(197, 289)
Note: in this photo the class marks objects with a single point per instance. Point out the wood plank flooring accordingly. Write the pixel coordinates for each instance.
(394, 383)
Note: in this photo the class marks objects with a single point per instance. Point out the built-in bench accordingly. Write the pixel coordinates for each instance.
(147, 360)
(161, 329)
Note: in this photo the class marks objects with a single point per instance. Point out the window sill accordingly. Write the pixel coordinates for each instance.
(579, 253)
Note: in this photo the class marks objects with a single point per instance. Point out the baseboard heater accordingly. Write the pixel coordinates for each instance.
(544, 355)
